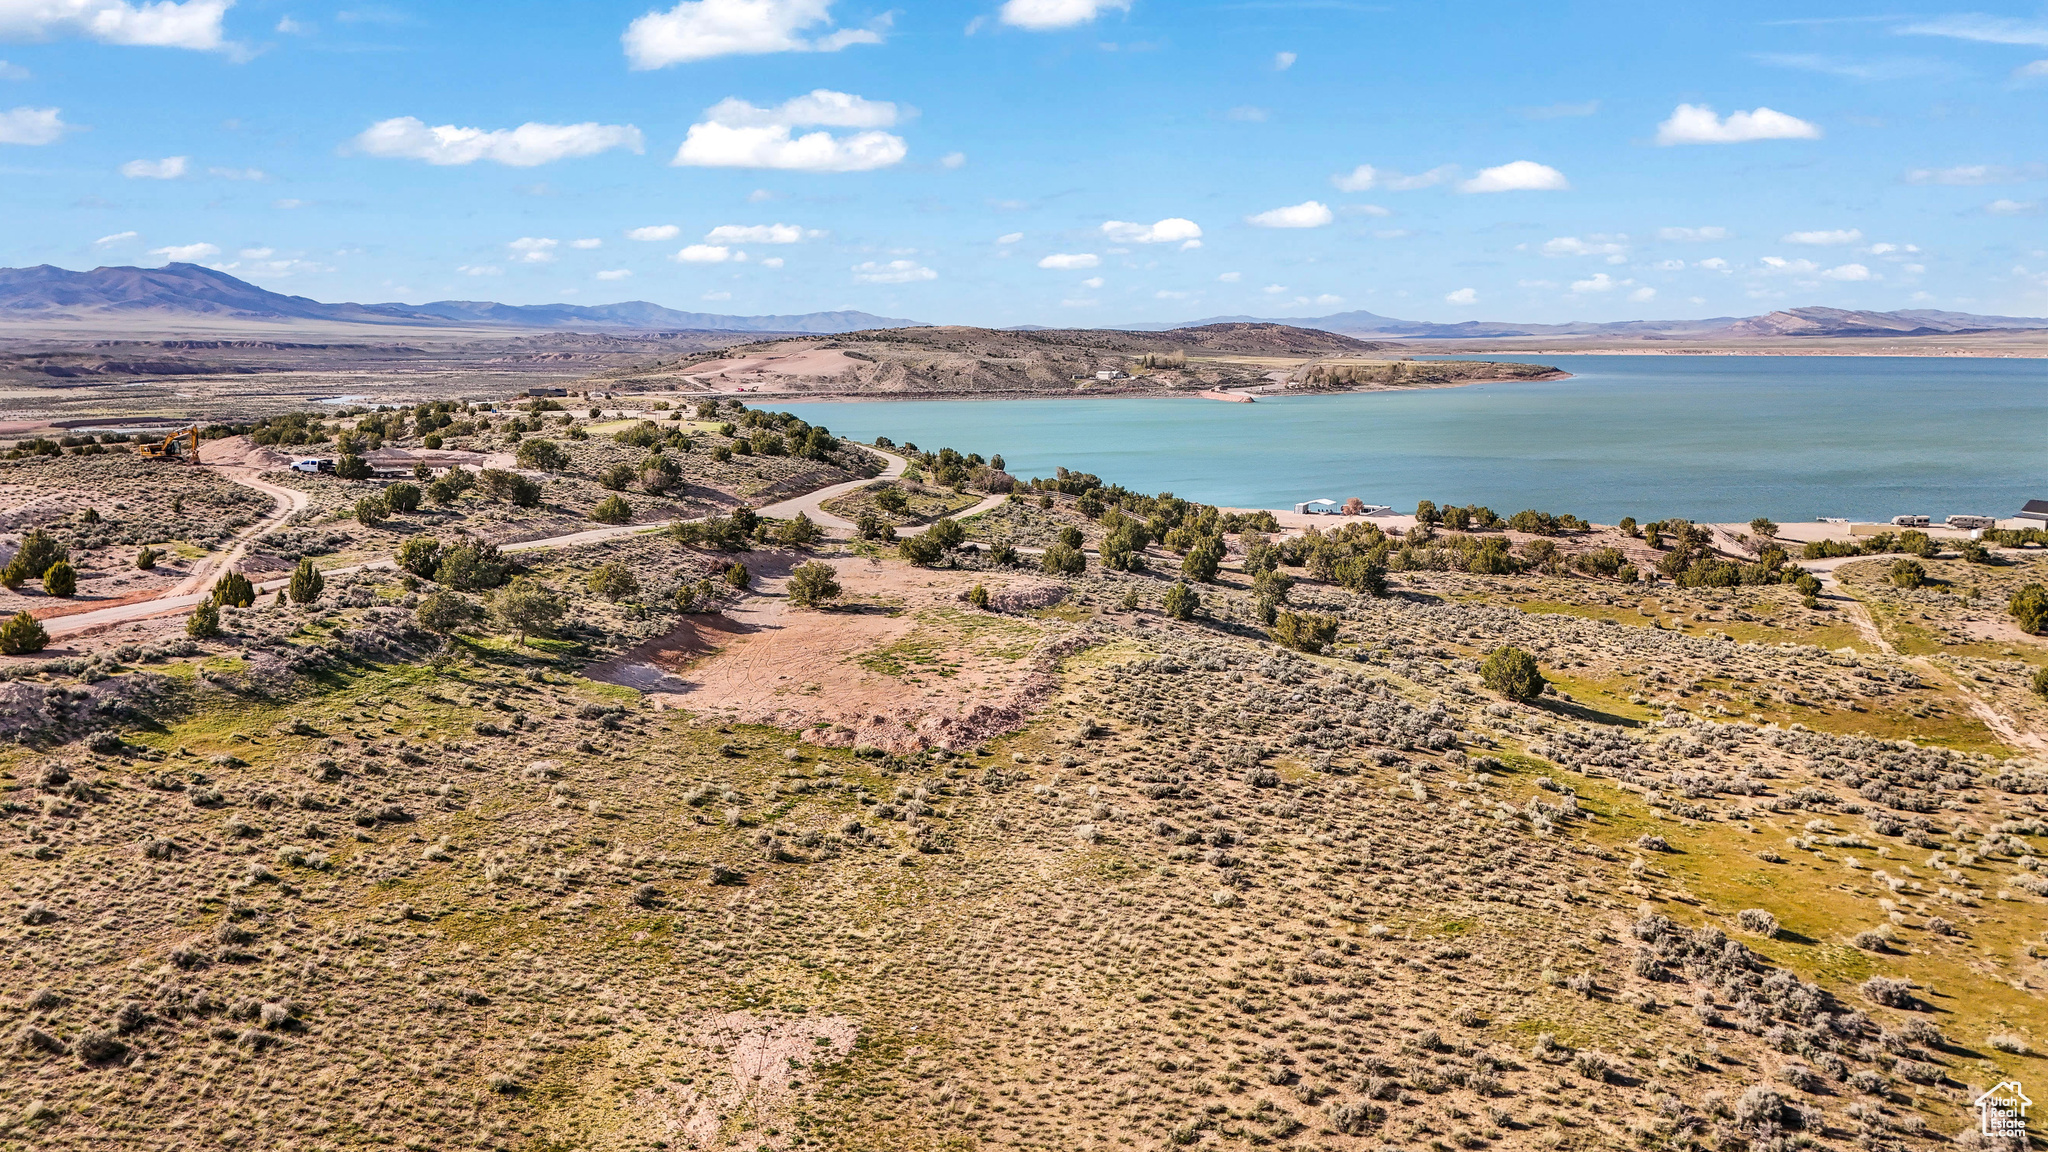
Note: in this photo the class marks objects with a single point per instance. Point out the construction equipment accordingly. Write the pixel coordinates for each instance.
(168, 450)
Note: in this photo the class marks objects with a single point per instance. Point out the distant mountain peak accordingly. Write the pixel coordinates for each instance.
(1811, 321)
(175, 291)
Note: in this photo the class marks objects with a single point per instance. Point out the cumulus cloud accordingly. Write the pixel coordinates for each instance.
(1068, 261)
(1093, 282)
(1697, 124)
(1847, 272)
(755, 234)
(706, 254)
(1643, 295)
(194, 24)
(1282, 61)
(953, 160)
(893, 272)
(587, 244)
(736, 134)
(1780, 265)
(534, 249)
(31, 126)
(615, 274)
(702, 29)
(1307, 214)
(1614, 248)
(1462, 297)
(654, 232)
(1517, 176)
(186, 253)
(1714, 264)
(168, 168)
(116, 238)
(409, 138)
(1825, 236)
(1365, 178)
(1172, 230)
(1598, 282)
(1692, 235)
(1044, 15)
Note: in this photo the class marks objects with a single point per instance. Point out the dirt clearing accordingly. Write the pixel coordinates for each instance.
(900, 663)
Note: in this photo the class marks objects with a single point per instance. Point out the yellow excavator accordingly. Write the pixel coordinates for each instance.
(168, 450)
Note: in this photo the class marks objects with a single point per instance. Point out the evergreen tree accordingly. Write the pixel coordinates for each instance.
(307, 582)
(22, 634)
(61, 579)
(204, 623)
(1512, 673)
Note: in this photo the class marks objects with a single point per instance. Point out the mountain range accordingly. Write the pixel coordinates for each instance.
(190, 291)
(178, 291)
(1790, 322)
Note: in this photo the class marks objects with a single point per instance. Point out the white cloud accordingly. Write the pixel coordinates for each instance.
(1615, 248)
(1068, 261)
(1327, 299)
(1847, 272)
(953, 160)
(1714, 264)
(256, 174)
(1778, 264)
(480, 270)
(1043, 15)
(772, 262)
(2033, 70)
(31, 126)
(168, 168)
(257, 253)
(408, 138)
(654, 232)
(1984, 29)
(1166, 294)
(705, 254)
(1462, 297)
(1671, 265)
(12, 71)
(1365, 178)
(2004, 207)
(1282, 61)
(1598, 282)
(1308, 214)
(587, 244)
(288, 204)
(894, 272)
(1643, 295)
(193, 24)
(116, 238)
(1692, 235)
(1966, 175)
(615, 274)
(1009, 238)
(1274, 289)
(736, 134)
(1825, 236)
(1172, 230)
(186, 253)
(702, 29)
(1517, 176)
(755, 234)
(1697, 124)
(1231, 277)
(1093, 282)
(534, 249)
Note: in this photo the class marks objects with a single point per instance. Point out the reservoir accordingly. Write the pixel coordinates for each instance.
(1709, 438)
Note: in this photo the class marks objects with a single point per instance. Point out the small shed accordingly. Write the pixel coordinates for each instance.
(2035, 510)
(1317, 507)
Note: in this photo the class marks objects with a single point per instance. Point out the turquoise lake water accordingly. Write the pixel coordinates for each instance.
(1721, 438)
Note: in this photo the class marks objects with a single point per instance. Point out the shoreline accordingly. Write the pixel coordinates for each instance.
(1249, 394)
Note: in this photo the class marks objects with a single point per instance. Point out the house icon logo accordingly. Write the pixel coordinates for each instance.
(2002, 1111)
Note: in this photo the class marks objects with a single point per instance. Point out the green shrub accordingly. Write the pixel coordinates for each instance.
(612, 510)
(890, 498)
(529, 608)
(444, 611)
(977, 597)
(1003, 556)
(147, 558)
(352, 467)
(419, 555)
(234, 591)
(307, 582)
(2029, 608)
(1908, 573)
(801, 532)
(204, 623)
(61, 579)
(1063, 560)
(542, 455)
(2041, 682)
(473, 566)
(922, 549)
(372, 511)
(1203, 560)
(1303, 631)
(950, 533)
(814, 583)
(403, 497)
(1512, 673)
(613, 581)
(738, 577)
(1180, 603)
(22, 634)
(1763, 529)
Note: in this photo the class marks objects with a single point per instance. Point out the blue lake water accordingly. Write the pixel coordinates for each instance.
(1721, 438)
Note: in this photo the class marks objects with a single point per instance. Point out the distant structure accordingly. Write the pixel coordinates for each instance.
(1317, 508)
(2035, 510)
(1910, 521)
(1972, 523)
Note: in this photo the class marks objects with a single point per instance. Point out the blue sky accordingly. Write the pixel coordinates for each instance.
(1043, 161)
